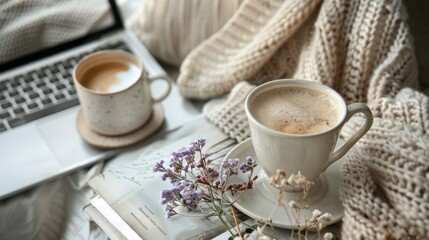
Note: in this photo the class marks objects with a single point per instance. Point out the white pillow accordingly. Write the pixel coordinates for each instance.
(171, 29)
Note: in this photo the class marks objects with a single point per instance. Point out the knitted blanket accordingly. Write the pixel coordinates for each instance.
(363, 49)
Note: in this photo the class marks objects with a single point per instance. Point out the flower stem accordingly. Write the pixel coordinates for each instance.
(235, 220)
(225, 224)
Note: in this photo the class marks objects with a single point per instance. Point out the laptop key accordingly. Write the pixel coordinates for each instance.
(15, 83)
(18, 110)
(6, 105)
(40, 73)
(13, 93)
(2, 127)
(40, 84)
(19, 100)
(47, 91)
(33, 95)
(59, 96)
(3, 86)
(53, 79)
(41, 113)
(4, 115)
(53, 69)
(46, 101)
(60, 86)
(67, 75)
(28, 78)
(27, 88)
(32, 105)
(72, 91)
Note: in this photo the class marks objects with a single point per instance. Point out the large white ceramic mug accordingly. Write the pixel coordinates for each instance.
(309, 153)
(110, 106)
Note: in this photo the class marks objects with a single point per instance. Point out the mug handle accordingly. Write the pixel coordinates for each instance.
(352, 109)
(165, 94)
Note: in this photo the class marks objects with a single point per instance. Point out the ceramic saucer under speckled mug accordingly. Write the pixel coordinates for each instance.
(103, 141)
(114, 92)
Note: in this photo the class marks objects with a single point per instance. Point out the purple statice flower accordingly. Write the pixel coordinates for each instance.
(202, 142)
(168, 196)
(159, 167)
(248, 165)
(211, 174)
(191, 198)
(187, 153)
(230, 166)
(194, 181)
(176, 163)
(165, 176)
(199, 143)
(169, 211)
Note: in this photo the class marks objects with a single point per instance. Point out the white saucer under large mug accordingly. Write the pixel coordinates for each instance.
(260, 202)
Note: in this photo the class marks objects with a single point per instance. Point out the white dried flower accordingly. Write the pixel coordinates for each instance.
(328, 236)
(291, 180)
(272, 181)
(260, 235)
(293, 204)
(283, 183)
(326, 217)
(316, 213)
(308, 185)
(281, 173)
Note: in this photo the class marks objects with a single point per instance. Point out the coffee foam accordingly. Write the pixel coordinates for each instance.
(296, 110)
(111, 77)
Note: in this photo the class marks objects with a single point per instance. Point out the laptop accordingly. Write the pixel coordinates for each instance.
(38, 102)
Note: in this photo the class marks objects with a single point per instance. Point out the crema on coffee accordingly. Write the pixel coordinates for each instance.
(110, 77)
(296, 110)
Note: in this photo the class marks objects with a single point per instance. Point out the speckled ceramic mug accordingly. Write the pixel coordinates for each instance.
(114, 92)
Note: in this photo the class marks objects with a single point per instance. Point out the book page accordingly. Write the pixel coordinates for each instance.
(133, 191)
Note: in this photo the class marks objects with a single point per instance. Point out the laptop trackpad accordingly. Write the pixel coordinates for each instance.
(65, 142)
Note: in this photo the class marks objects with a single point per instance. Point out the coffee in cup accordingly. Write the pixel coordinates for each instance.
(295, 124)
(114, 92)
(296, 110)
(110, 77)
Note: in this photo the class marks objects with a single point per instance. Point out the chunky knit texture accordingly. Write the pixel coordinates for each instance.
(362, 49)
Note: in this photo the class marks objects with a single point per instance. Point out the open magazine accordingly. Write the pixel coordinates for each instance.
(128, 202)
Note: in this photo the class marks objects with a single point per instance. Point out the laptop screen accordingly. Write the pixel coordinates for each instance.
(30, 29)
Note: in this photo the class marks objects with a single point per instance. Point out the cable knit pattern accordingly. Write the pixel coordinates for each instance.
(360, 48)
(363, 49)
(230, 115)
(392, 196)
(242, 46)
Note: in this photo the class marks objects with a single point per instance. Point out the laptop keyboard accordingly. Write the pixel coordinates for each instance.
(43, 91)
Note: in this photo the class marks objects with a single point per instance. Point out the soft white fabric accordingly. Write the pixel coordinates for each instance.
(171, 29)
(27, 26)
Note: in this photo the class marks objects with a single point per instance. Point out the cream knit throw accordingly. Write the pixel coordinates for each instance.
(362, 49)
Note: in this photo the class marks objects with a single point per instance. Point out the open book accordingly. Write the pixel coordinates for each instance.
(128, 202)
